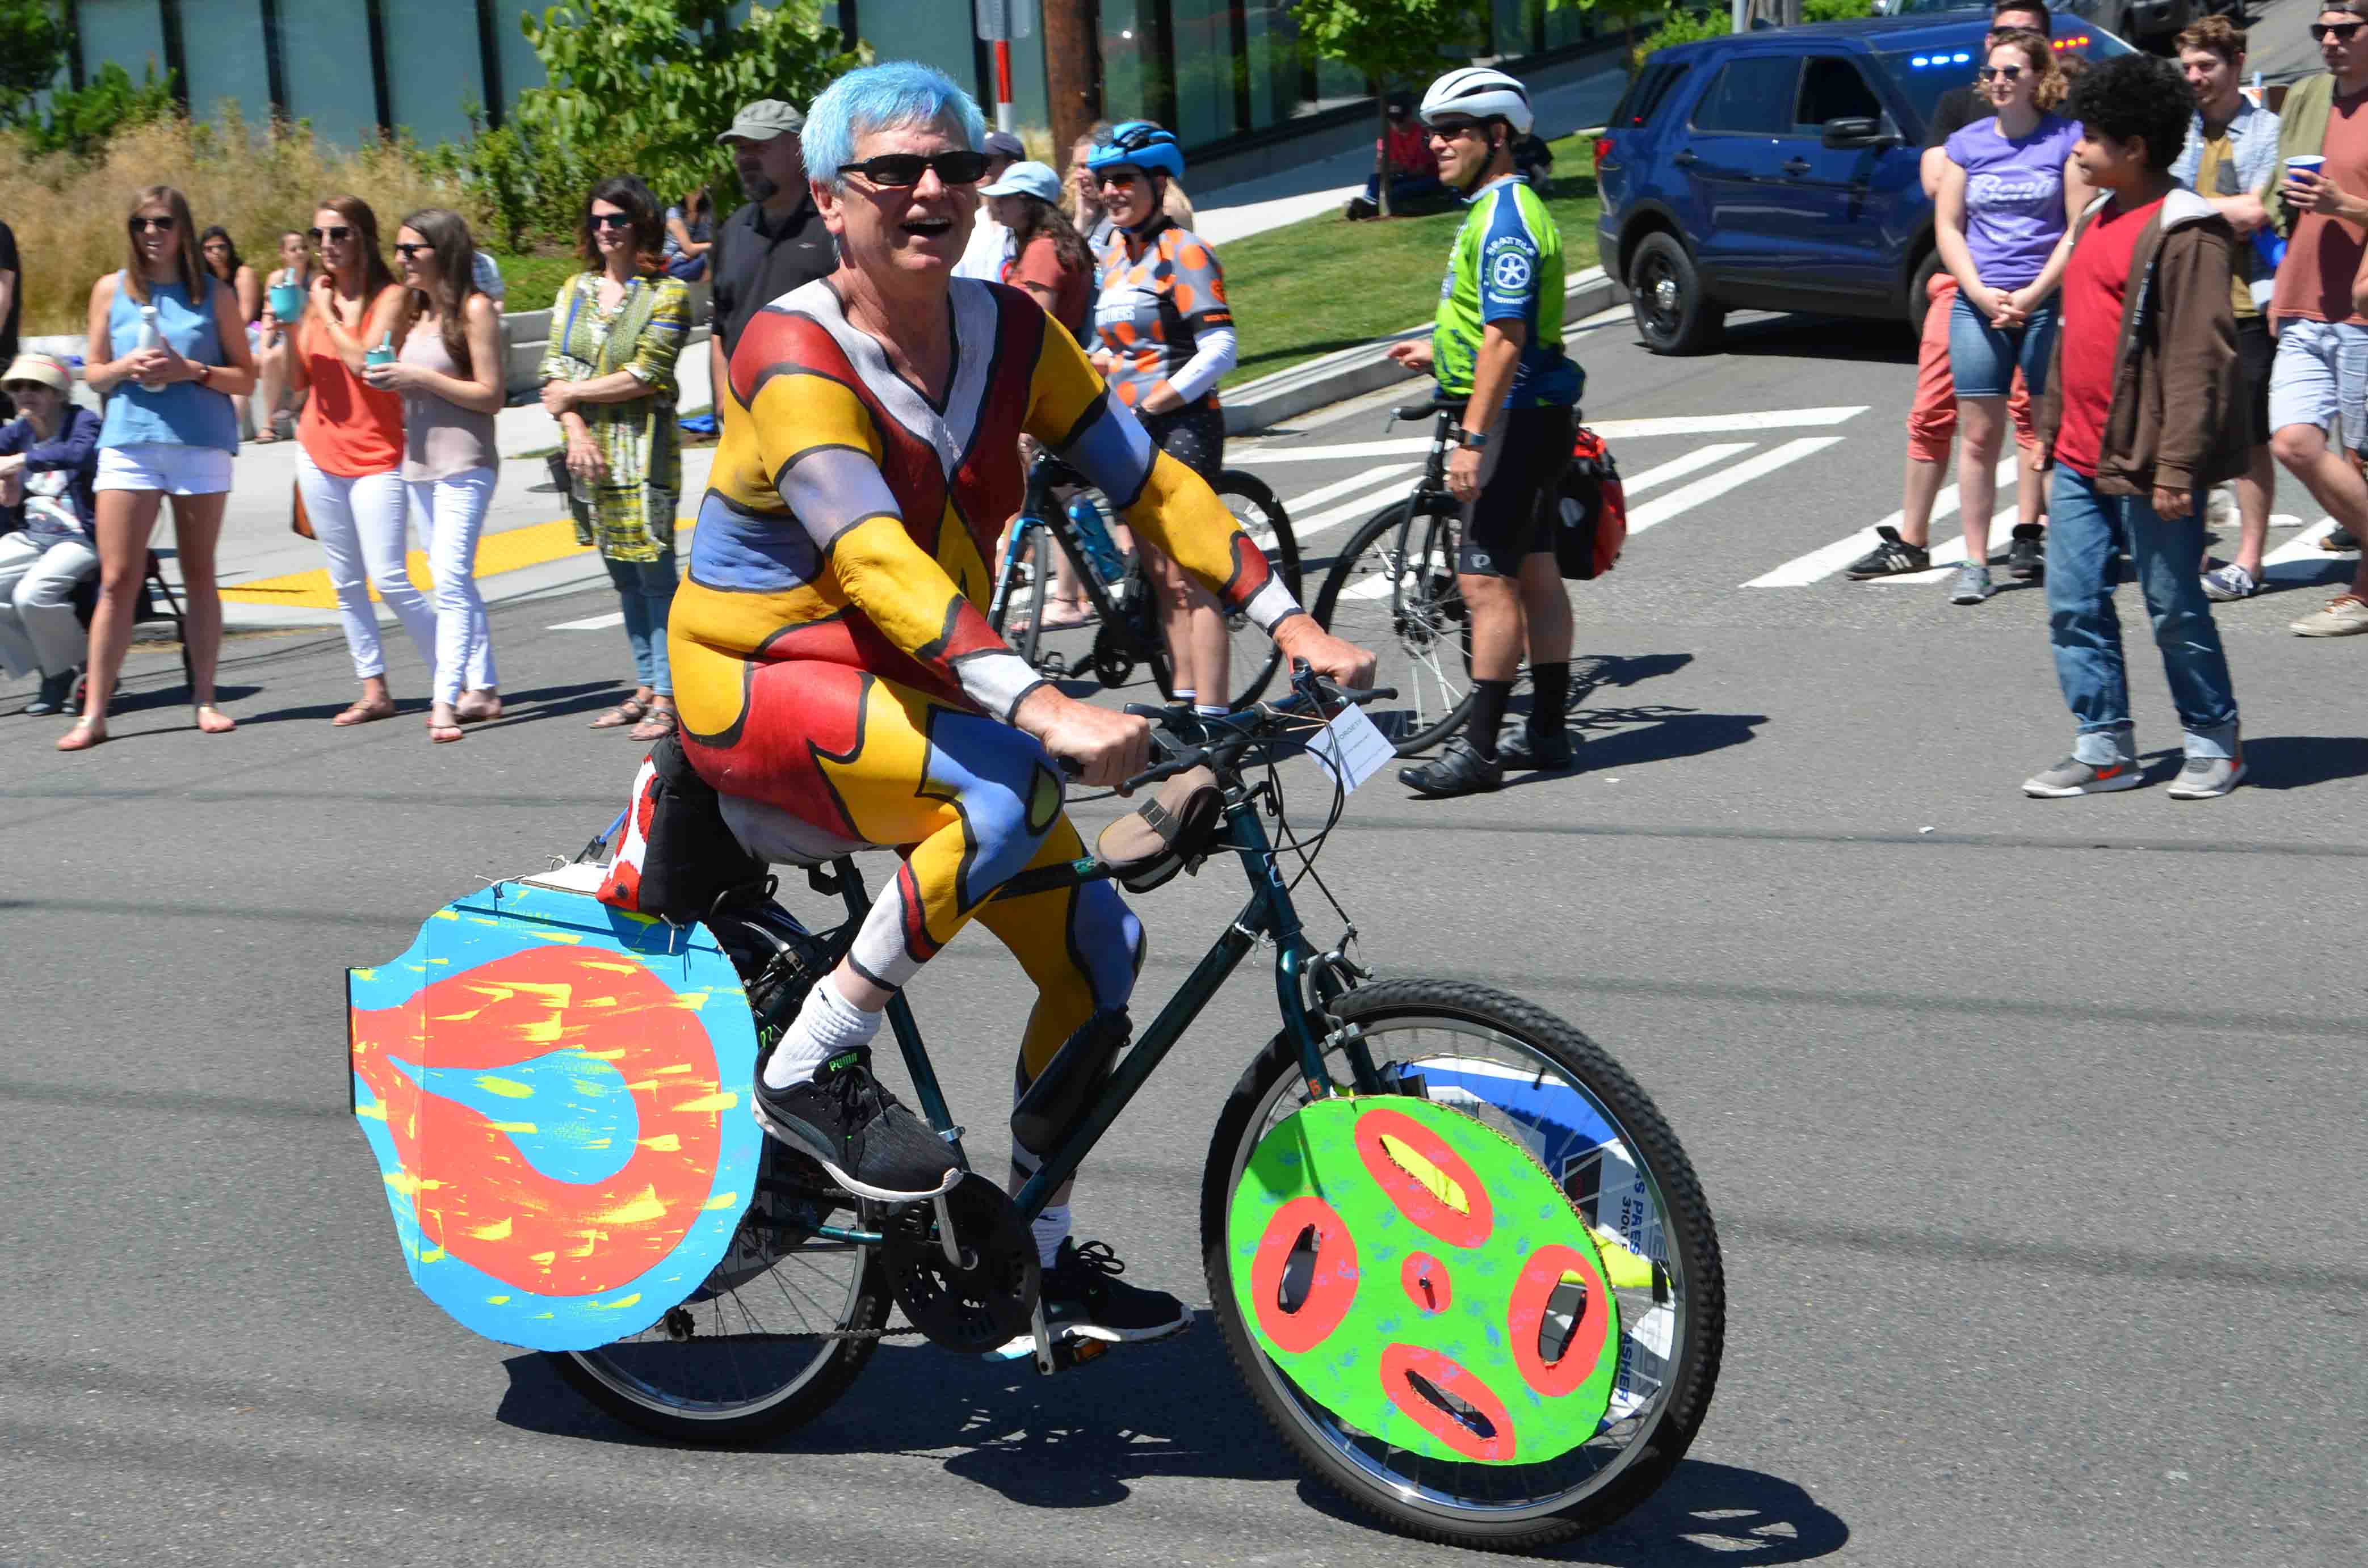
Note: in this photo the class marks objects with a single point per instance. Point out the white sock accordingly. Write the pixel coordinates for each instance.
(827, 1025)
(1184, 696)
(1205, 712)
(1050, 1229)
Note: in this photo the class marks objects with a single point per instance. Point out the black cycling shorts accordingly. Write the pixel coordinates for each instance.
(1506, 522)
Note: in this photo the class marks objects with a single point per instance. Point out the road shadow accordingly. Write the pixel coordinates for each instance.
(1613, 738)
(1856, 340)
(517, 707)
(2297, 762)
(146, 698)
(1703, 1513)
(2310, 575)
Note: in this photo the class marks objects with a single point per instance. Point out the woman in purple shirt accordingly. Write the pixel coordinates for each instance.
(2009, 194)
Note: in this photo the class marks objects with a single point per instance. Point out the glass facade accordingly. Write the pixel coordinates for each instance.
(1212, 70)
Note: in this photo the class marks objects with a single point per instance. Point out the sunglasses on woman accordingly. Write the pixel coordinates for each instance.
(2343, 31)
(147, 225)
(2011, 72)
(338, 232)
(897, 170)
(408, 252)
(611, 219)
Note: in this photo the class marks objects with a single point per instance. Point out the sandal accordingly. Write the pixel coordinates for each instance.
(224, 728)
(660, 723)
(482, 712)
(85, 734)
(632, 711)
(443, 734)
(364, 711)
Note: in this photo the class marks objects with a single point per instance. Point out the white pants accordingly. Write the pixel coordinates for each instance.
(38, 628)
(360, 523)
(451, 514)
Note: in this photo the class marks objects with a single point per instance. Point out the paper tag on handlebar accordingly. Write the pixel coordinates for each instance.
(1350, 749)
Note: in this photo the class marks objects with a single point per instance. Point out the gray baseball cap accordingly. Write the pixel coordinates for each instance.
(1003, 144)
(763, 120)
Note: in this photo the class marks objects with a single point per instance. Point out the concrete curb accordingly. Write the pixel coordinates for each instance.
(1269, 401)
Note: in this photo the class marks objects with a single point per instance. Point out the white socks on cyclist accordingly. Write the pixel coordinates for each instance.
(1188, 698)
(827, 1025)
(1050, 1229)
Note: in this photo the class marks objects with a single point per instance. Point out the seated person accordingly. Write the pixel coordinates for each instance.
(49, 459)
(1413, 169)
(832, 662)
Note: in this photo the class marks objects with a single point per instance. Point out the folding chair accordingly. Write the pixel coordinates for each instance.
(157, 602)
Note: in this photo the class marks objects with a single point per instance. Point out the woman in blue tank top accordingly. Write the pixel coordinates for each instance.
(168, 351)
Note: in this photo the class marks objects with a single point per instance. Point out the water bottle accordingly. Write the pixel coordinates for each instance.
(152, 335)
(1099, 550)
(385, 353)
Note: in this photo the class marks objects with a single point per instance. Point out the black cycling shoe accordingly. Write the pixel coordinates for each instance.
(1890, 558)
(1521, 748)
(2026, 556)
(1083, 1295)
(856, 1130)
(1458, 770)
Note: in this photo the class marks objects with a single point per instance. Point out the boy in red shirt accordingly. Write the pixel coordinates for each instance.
(2144, 414)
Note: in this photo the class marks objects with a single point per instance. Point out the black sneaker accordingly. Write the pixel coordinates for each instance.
(856, 1130)
(2026, 556)
(2338, 540)
(1360, 209)
(1084, 1296)
(1458, 770)
(1519, 748)
(1890, 558)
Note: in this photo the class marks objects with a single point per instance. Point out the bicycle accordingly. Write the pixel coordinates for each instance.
(1392, 590)
(1504, 1333)
(1125, 622)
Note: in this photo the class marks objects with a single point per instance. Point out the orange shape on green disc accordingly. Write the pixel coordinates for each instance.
(1419, 1275)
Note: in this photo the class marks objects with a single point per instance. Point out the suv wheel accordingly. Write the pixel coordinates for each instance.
(1920, 296)
(1673, 314)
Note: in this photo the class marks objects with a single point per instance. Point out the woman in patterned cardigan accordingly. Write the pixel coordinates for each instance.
(609, 377)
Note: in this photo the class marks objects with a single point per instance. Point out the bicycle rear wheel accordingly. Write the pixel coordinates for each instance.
(754, 1351)
(1392, 590)
(1254, 657)
(1026, 600)
(1536, 1081)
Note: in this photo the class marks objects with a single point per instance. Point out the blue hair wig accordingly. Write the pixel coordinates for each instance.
(883, 97)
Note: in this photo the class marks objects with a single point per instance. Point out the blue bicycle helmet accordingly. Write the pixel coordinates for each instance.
(1140, 144)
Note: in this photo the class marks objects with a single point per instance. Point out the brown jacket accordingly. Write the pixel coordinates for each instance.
(2177, 419)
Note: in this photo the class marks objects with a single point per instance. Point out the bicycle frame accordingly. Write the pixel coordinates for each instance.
(1037, 511)
(1305, 982)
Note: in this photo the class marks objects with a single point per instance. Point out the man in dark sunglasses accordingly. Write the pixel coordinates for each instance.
(776, 242)
(2320, 375)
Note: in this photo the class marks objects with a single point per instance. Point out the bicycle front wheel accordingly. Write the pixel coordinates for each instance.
(1392, 590)
(772, 1336)
(1539, 1083)
(1254, 657)
(1024, 605)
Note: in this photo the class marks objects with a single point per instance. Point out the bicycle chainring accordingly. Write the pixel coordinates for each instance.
(988, 1301)
(1113, 655)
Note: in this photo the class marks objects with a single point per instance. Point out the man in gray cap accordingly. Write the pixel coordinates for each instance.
(777, 242)
(989, 241)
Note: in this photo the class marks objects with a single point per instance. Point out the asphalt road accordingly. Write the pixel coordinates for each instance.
(2034, 1129)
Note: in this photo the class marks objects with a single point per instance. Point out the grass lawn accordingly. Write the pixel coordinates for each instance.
(533, 282)
(1324, 283)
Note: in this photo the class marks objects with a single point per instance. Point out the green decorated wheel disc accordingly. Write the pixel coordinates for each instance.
(1421, 1277)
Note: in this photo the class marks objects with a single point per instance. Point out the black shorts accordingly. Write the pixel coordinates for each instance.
(2256, 351)
(1506, 523)
(1193, 435)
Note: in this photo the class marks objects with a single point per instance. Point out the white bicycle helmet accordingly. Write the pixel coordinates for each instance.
(1476, 92)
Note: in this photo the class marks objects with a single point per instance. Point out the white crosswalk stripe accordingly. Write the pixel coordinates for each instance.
(1253, 456)
(593, 622)
(1678, 468)
(2303, 547)
(1828, 559)
(1685, 498)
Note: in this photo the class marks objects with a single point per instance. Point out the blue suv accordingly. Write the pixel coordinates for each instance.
(1778, 170)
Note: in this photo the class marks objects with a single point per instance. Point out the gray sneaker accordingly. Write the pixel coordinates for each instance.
(1973, 585)
(2074, 777)
(2202, 777)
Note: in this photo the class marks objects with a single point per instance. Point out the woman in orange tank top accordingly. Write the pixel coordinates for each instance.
(350, 469)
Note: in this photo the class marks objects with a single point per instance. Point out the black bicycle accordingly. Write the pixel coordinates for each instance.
(1392, 590)
(1122, 631)
(1459, 1257)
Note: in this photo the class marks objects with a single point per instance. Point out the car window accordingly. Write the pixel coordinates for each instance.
(1752, 96)
(1644, 96)
(1832, 88)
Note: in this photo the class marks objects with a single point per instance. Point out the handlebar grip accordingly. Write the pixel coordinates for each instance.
(1158, 772)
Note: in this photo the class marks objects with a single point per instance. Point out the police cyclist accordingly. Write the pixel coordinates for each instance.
(1495, 347)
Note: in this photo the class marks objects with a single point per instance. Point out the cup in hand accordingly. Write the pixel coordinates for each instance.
(287, 302)
(2305, 169)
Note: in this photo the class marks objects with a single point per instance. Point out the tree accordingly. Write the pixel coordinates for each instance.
(1382, 40)
(666, 78)
(33, 42)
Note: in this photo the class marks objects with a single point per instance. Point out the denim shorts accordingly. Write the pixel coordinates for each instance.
(2320, 374)
(1982, 359)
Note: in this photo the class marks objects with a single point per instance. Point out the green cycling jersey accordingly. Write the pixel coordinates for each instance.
(1506, 265)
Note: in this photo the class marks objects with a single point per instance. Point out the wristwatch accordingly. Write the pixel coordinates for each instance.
(1475, 439)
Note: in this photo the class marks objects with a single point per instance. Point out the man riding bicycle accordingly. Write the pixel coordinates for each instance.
(1497, 348)
(835, 672)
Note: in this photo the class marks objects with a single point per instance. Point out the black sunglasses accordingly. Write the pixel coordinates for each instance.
(161, 225)
(408, 252)
(2011, 72)
(609, 220)
(338, 232)
(900, 169)
(2343, 31)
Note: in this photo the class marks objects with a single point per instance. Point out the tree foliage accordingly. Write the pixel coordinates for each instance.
(661, 79)
(83, 120)
(1386, 39)
(33, 42)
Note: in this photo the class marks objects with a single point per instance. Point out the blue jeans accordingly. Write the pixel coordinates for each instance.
(1982, 359)
(646, 592)
(2086, 530)
(1405, 188)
